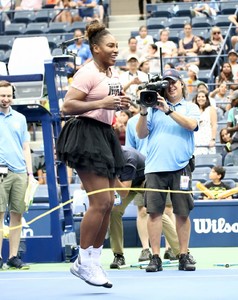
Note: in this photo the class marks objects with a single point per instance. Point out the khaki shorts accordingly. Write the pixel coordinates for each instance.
(12, 192)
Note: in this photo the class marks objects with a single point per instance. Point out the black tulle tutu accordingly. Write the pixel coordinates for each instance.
(90, 145)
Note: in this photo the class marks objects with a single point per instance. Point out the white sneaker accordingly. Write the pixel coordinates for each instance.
(93, 275)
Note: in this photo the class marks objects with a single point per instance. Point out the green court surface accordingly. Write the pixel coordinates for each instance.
(205, 257)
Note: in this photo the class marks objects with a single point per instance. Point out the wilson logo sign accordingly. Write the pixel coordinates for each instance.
(214, 225)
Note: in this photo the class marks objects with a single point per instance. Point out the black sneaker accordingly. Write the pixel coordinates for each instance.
(16, 263)
(191, 258)
(169, 254)
(145, 255)
(155, 264)
(185, 263)
(1, 263)
(119, 260)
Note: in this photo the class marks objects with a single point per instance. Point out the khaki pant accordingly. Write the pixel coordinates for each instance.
(116, 228)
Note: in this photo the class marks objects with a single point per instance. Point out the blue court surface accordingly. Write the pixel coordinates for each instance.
(136, 284)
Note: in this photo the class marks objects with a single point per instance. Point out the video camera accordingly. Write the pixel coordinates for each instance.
(148, 97)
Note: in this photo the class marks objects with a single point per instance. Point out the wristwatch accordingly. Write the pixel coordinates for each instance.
(171, 109)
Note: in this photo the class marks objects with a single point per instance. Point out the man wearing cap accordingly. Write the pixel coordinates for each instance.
(232, 59)
(170, 127)
(131, 79)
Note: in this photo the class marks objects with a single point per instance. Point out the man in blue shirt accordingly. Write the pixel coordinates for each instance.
(15, 165)
(169, 126)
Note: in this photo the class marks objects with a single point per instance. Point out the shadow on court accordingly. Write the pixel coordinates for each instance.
(211, 284)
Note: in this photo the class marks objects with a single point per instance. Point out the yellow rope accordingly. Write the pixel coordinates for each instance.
(93, 193)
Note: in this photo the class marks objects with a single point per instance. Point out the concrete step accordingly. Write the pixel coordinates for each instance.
(125, 24)
(125, 18)
(124, 6)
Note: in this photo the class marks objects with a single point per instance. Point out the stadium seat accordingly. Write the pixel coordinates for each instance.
(156, 23)
(57, 51)
(23, 16)
(232, 173)
(77, 25)
(222, 21)
(204, 75)
(15, 29)
(163, 10)
(2, 55)
(61, 27)
(208, 160)
(45, 15)
(184, 10)
(201, 22)
(6, 42)
(36, 28)
(178, 22)
(227, 8)
(201, 174)
(54, 41)
(196, 192)
(151, 7)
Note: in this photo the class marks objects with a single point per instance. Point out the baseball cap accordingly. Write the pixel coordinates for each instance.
(232, 51)
(132, 56)
(234, 96)
(194, 69)
(172, 74)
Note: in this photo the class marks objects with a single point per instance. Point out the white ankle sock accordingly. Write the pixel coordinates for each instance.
(86, 255)
(96, 254)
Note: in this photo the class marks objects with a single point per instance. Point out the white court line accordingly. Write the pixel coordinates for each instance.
(159, 275)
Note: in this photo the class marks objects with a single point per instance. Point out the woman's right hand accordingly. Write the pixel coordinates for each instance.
(113, 102)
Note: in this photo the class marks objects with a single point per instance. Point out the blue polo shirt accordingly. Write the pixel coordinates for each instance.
(170, 146)
(13, 134)
(132, 139)
(83, 52)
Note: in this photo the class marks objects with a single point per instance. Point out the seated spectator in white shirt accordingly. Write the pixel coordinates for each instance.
(169, 48)
(132, 78)
(143, 39)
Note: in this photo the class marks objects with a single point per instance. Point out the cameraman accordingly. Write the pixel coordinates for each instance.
(169, 126)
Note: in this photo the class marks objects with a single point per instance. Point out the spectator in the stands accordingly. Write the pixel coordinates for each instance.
(226, 76)
(153, 56)
(205, 137)
(131, 49)
(192, 81)
(232, 59)
(6, 5)
(122, 118)
(216, 39)
(67, 11)
(187, 46)
(132, 78)
(206, 8)
(230, 149)
(206, 55)
(144, 65)
(81, 51)
(86, 10)
(143, 39)
(169, 48)
(29, 5)
(221, 97)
